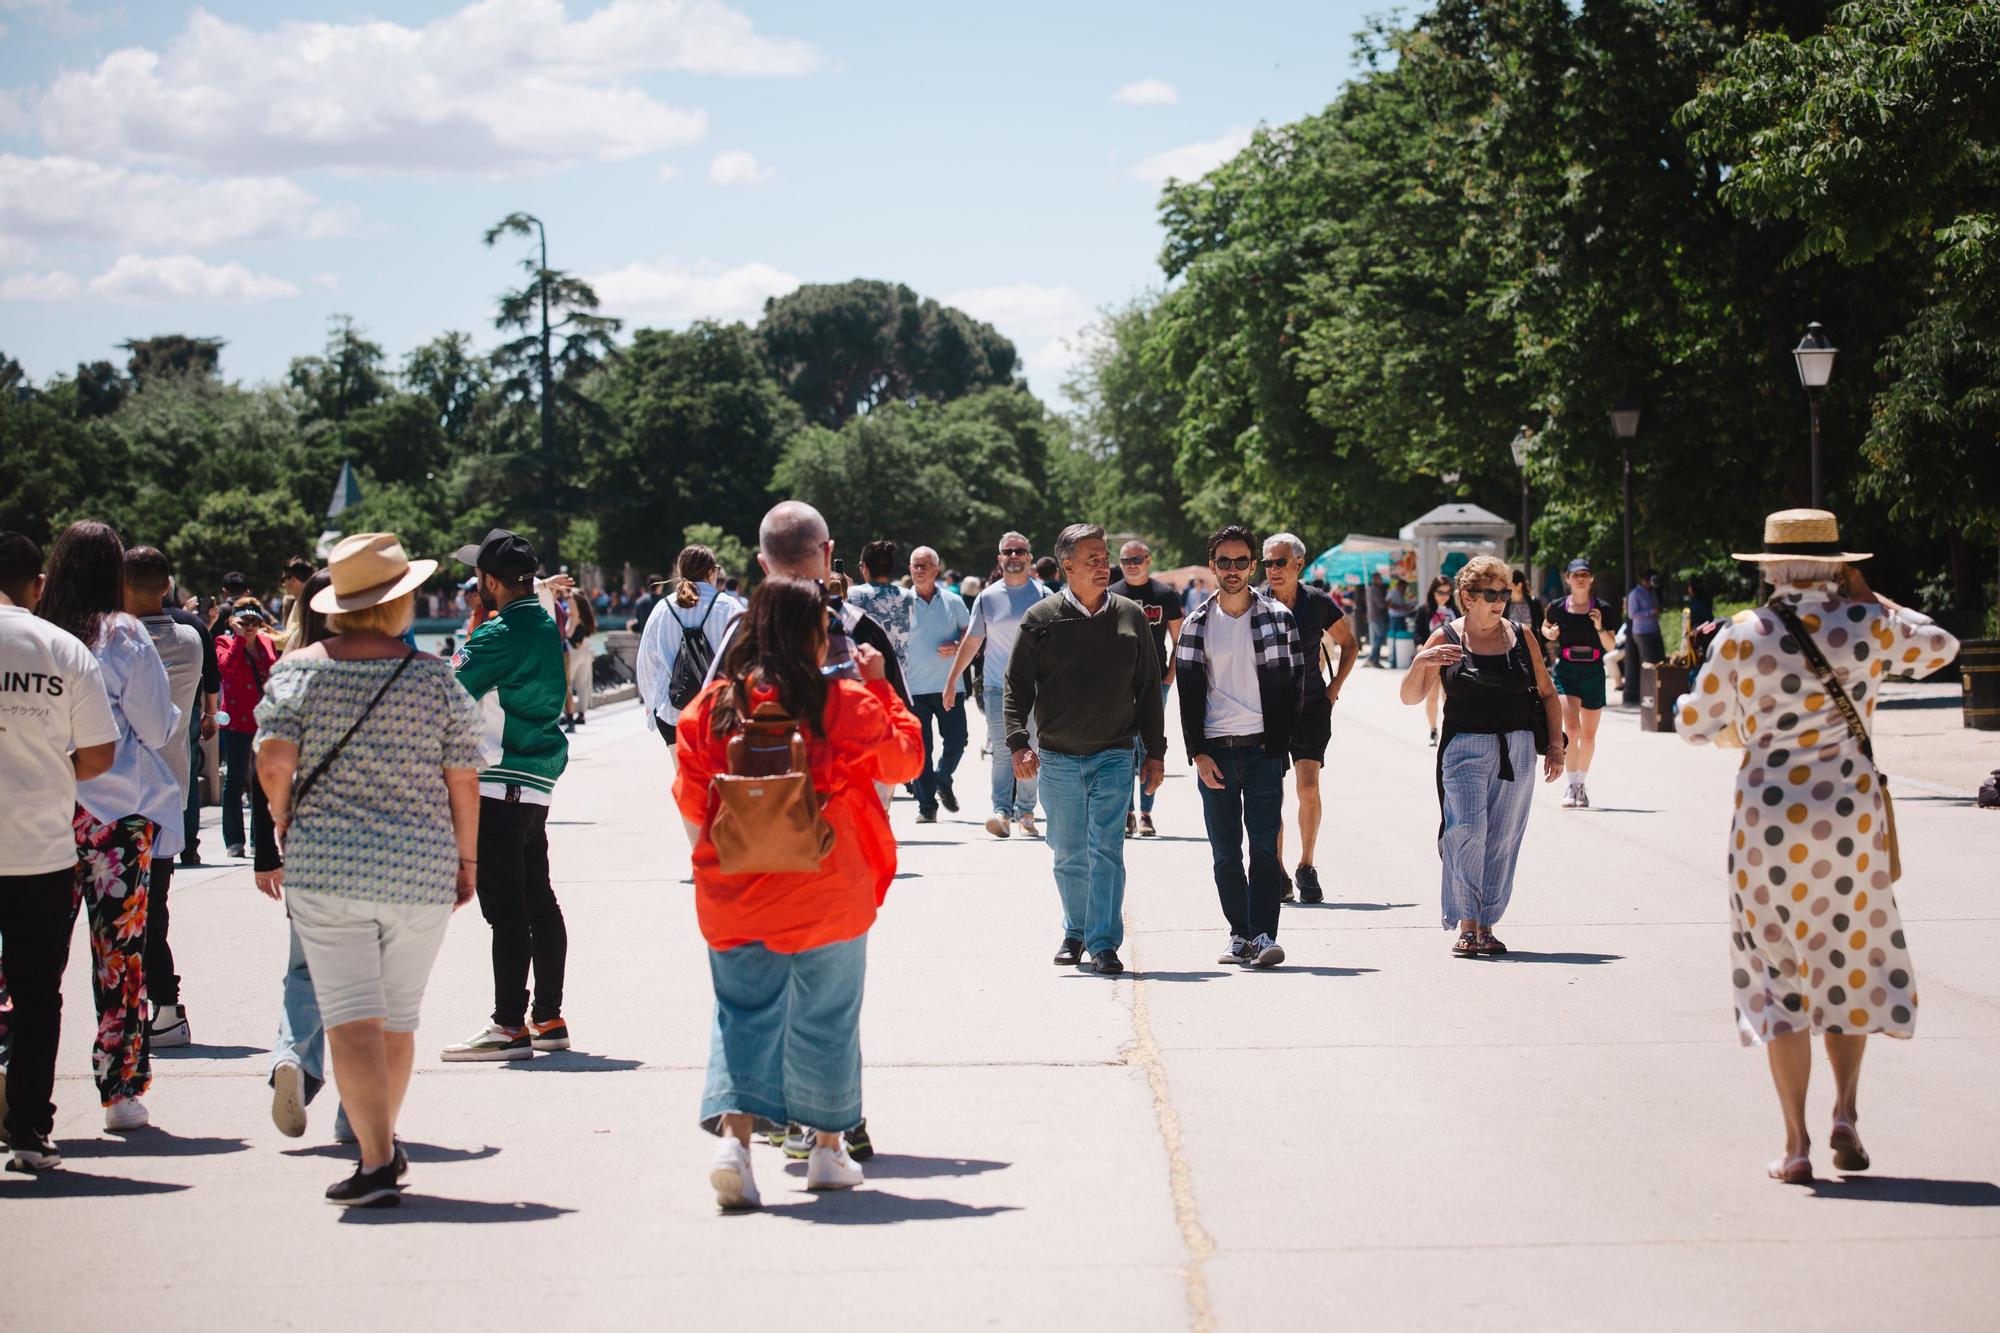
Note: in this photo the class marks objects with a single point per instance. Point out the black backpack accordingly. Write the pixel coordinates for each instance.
(692, 662)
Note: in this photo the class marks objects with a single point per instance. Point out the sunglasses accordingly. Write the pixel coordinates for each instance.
(1488, 595)
(1232, 561)
(1277, 561)
(1133, 559)
(1014, 550)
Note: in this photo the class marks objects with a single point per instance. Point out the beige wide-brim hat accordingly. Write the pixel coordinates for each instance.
(368, 569)
(1802, 534)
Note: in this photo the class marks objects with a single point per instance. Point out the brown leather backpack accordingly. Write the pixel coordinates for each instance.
(767, 817)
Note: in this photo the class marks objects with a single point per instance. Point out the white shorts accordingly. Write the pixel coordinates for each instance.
(367, 960)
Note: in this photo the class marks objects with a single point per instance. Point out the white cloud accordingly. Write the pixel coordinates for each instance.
(669, 172)
(497, 87)
(738, 167)
(54, 286)
(1147, 92)
(325, 282)
(670, 292)
(69, 199)
(143, 279)
(1045, 324)
(14, 118)
(1191, 161)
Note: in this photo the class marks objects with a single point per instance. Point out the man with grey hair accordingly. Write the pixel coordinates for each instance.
(1162, 606)
(938, 621)
(1320, 622)
(793, 540)
(996, 623)
(1084, 673)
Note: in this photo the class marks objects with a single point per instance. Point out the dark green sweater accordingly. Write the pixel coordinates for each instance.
(1091, 683)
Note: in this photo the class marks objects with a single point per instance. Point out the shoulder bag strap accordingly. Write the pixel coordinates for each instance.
(300, 791)
(1817, 661)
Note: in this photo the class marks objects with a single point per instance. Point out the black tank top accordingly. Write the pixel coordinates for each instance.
(1578, 641)
(1489, 693)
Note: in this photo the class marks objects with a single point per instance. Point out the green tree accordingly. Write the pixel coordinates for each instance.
(239, 530)
(696, 428)
(844, 348)
(457, 380)
(345, 377)
(173, 354)
(730, 550)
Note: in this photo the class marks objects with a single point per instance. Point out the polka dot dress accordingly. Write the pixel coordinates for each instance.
(1816, 944)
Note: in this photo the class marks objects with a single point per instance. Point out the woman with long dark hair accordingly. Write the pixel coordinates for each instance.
(125, 816)
(788, 949)
(1435, 612)
(581, 660)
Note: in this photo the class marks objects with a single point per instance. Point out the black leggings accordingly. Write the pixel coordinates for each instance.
(518, 901)
(162, 985)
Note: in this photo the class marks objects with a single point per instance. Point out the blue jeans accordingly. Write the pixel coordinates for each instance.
(950, 722)
(236, 763)
(1013, 799)
(1252, 797)
(1139, 769)
(786, 1048)
(301, 1036)
(1484, 819)
(1378, 637)
(1088, 797)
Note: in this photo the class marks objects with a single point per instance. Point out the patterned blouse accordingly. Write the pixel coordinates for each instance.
(377, 824)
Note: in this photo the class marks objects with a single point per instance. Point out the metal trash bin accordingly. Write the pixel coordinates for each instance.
(1979, 678)
(1661, 684)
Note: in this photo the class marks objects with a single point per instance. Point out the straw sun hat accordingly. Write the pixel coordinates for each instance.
(368, 569)
(1802, 534)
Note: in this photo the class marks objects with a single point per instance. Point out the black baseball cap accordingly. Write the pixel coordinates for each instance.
(234, 580)
(1577, 566)
(502, 554)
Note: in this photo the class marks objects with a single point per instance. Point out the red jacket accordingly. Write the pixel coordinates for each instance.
(245, 666)
(870, 737)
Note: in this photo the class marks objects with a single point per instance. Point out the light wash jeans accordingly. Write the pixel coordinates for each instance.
(1484, 819)
(1087, 800)
(1139, 769)
(301, 1036)
(786, 1047)
(1011, 798)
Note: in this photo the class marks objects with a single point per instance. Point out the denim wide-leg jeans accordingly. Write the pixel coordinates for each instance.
(1085, 799)
(1011, 797)
(786, 1046)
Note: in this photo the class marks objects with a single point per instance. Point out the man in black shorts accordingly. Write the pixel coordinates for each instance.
(1162, 606)
(1320, 621)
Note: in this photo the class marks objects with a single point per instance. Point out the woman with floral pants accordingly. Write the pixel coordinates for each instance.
(113, 865)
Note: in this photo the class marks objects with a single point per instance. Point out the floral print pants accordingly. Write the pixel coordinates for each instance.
(113, 864)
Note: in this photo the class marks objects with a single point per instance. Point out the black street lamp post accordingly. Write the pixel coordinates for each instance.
(1814, 356)
(1523, 444)
(1625, 425)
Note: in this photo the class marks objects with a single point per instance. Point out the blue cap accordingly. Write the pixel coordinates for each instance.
(1577, 566)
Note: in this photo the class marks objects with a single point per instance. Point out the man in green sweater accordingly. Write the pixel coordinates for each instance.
(1085, 669)
(513, 664)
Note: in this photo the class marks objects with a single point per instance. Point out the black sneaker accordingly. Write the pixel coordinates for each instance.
(366, 1189)
(859, 1146)
(1285, 894)
(949, 800)
(1071, 952)
(1106, 962)
(190, 857)
(1131, 824)
(400, 1163)
(1309, 889)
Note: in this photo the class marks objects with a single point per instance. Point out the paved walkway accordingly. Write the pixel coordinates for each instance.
(1377, 1135)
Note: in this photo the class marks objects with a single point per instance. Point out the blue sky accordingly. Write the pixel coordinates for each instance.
(244, 169)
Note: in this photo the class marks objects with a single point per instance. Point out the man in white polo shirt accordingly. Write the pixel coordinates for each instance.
(56, 729)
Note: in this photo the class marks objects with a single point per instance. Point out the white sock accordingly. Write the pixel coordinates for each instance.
(1576, 777)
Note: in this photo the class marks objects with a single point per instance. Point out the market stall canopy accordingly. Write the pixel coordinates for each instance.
(1357, 556)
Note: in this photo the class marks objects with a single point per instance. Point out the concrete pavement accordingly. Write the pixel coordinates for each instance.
(1376, 1135)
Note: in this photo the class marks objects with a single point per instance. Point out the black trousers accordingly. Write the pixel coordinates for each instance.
(162, 985)
(518, 901)
(35, 921)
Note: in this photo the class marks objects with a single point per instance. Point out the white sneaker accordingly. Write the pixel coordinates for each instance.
(126, 1113)
(1572, 797)
(1237, 951)
(832, 1169)
(730, 1174)
(1264, 952)
(1583, 796)
(1027, 823)
(288, 1099)
(170, 1026)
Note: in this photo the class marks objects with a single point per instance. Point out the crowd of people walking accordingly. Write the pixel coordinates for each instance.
(387, 787)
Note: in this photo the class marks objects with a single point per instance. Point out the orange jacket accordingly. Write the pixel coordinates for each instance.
(870, 737)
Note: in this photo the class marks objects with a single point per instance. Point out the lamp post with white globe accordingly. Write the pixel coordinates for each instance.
(1814, 356)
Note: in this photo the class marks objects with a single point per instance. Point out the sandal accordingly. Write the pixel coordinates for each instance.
(1848, 1154)
(1489, 945)
(1467, 945)
(1791, 1170)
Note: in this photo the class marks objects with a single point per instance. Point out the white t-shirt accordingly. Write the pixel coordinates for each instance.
(52, 702)
(1235, 707)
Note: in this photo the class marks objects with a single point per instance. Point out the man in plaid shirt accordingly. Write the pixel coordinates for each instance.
(1241, 669)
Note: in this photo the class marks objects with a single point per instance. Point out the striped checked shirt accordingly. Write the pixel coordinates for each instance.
(1281, 671)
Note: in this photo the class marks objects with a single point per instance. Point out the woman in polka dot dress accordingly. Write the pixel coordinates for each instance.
(1816, 945)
